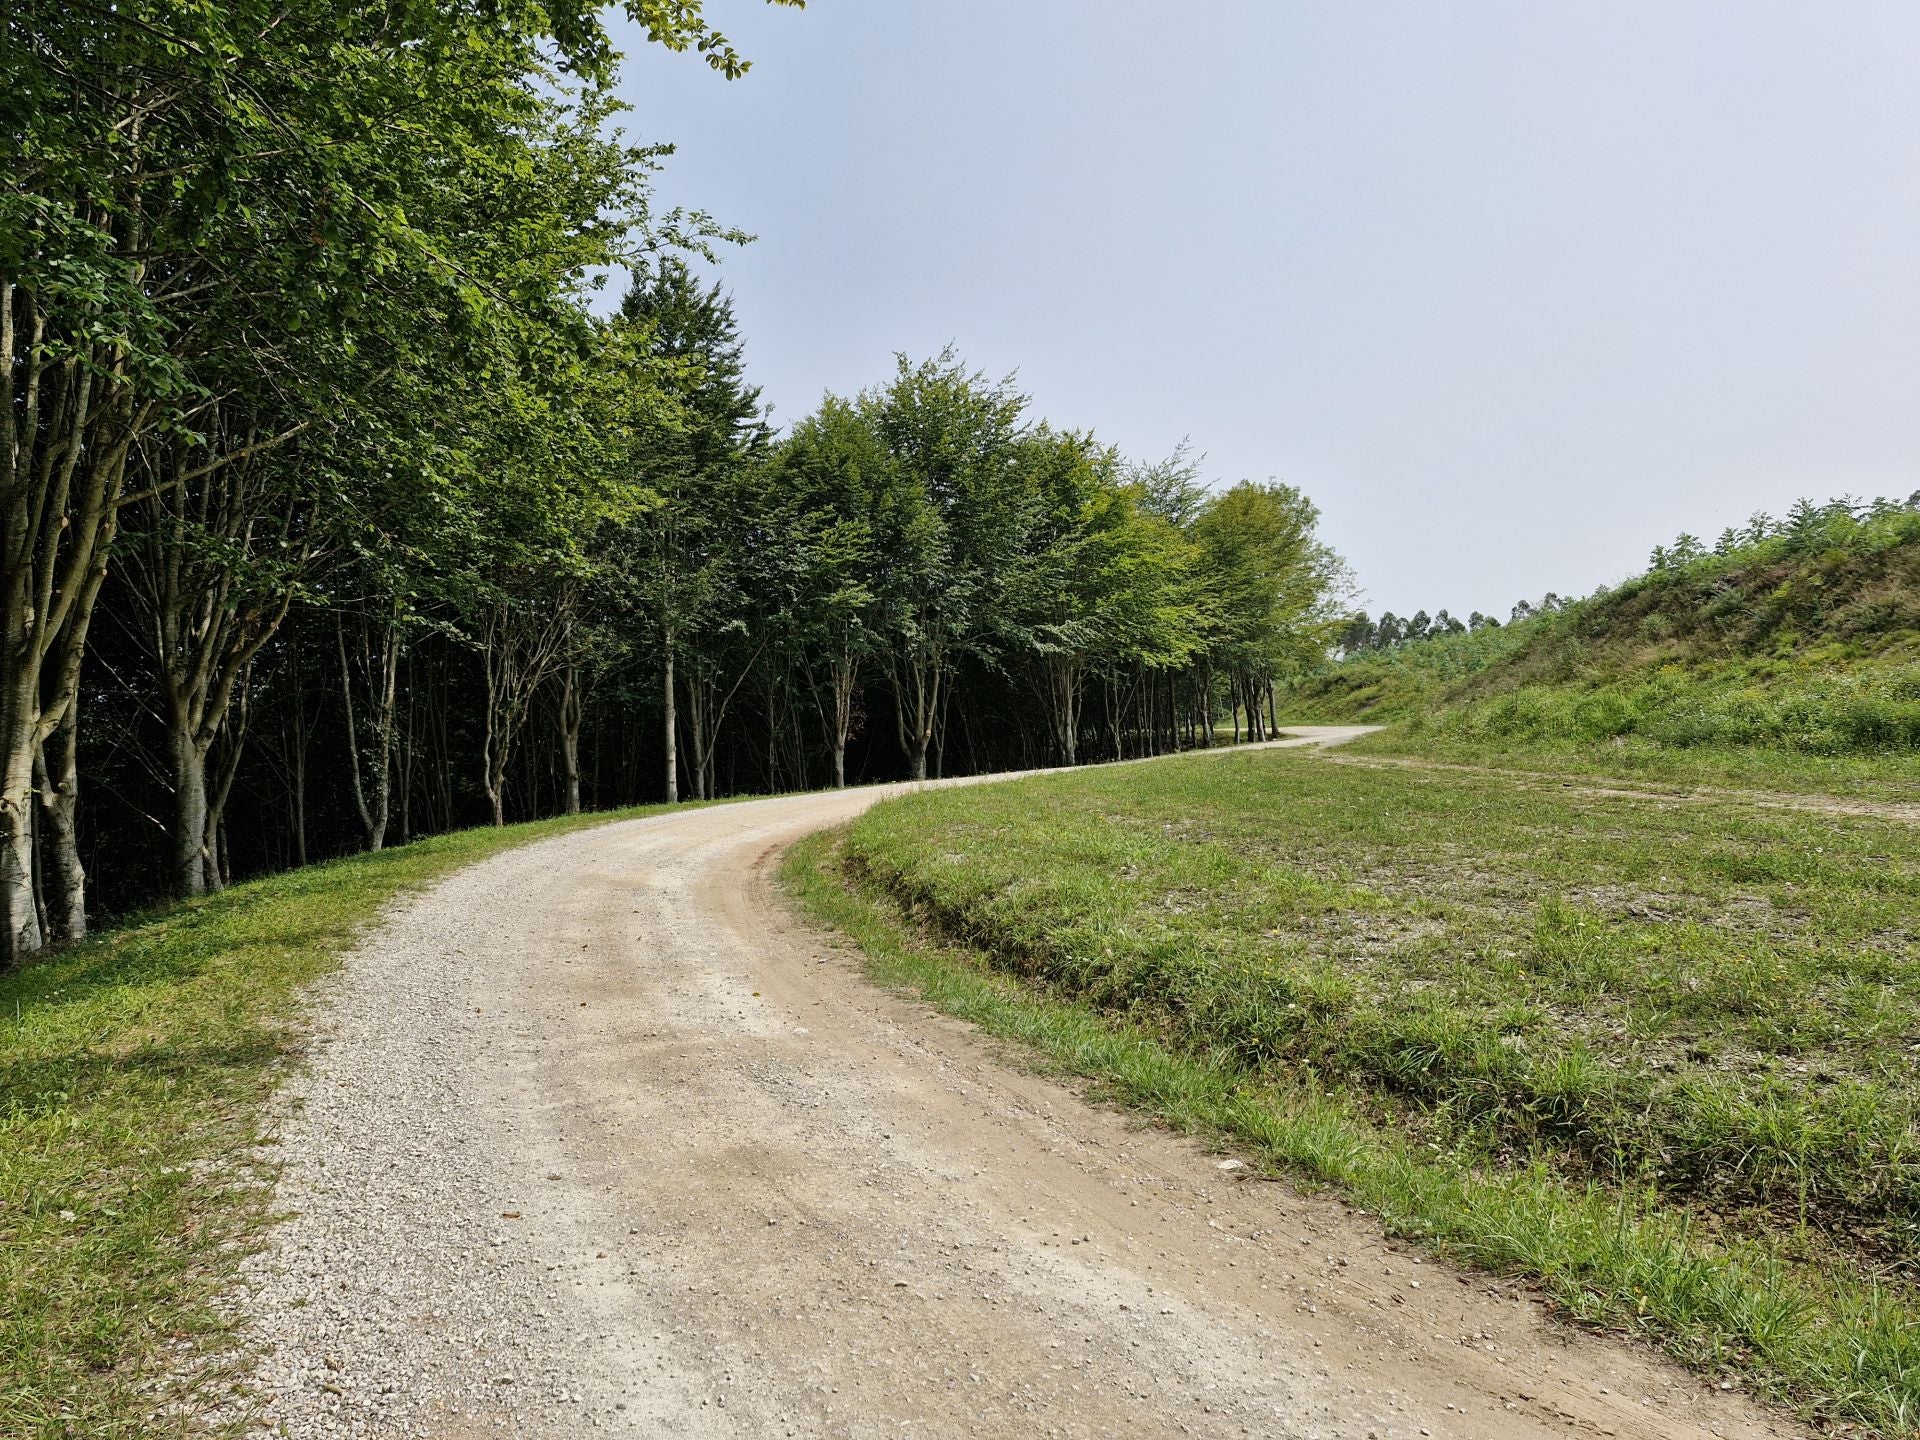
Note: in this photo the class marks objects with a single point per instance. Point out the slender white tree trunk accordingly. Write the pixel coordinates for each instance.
(570, 709)
(189, 813)
(843, 679)
(18, 717)
(60, 806)
(372, 771)
(673, 722)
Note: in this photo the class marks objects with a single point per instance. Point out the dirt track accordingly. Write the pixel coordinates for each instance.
(603, 1140)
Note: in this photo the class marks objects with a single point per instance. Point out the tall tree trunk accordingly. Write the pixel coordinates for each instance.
(521, 642)
(916, 689)
(707, 708)
(940, 732)
(668, 694)
(493, 744)
(19, 733)
(372, 765)
(208, 616)
(233, 746)
(297, 765)
(845, 671)
(700, 765)
(189, 830)
(295, 737)
(407, 761)
(68, 417)
(1063, 693)
(570, 712)
(60, 806)
(441, 818)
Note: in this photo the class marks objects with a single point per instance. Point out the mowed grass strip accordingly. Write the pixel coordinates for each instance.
(1659, 1055)
(133, 1071)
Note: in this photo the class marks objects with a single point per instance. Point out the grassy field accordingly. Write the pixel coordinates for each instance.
(1657, 1052)
(133, 1072)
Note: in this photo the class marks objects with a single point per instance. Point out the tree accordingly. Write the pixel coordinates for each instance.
(952, 531)
(1273, 588)
(838, 480)
(305, 395)
(1108, 582)
(213, 562)
(692, 457)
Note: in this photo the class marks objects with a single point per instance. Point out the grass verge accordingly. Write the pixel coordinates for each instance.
(1651, 1056)
(133, 1071)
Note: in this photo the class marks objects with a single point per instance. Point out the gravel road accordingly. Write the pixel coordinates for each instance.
(596, 1138)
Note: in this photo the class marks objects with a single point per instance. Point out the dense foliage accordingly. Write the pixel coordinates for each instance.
(332, 512)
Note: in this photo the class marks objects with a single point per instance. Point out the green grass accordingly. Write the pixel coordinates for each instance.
(133, 1071)
(1793, 658)
(1657, 1055)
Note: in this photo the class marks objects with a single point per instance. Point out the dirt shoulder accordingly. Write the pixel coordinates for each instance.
(1669, 791)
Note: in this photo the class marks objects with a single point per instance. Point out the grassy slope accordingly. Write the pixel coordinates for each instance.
(1654, 1053)
(1793, 661)
(133, 1070)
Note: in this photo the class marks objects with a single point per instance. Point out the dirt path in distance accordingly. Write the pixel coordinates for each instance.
(1679, 792)
(601, 1140)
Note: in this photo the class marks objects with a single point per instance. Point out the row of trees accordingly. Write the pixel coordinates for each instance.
(336, 514)
(1359, 633)
(277, 282)
(1809, 525)
(929, 552)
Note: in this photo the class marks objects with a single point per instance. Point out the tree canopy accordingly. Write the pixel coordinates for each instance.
(334, 511)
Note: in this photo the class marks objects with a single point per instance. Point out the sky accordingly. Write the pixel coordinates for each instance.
(1514, 291)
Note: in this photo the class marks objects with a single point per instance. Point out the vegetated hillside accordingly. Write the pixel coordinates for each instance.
(1801, 634)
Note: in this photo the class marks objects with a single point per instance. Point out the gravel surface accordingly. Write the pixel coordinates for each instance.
(596, 1138)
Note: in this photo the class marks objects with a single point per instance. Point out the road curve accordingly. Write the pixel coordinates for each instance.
(597, 1138)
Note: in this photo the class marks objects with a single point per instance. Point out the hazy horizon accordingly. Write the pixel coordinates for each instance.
(1514, 293)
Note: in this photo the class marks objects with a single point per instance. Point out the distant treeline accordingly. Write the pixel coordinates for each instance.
(1359, 633)
(1808, 526)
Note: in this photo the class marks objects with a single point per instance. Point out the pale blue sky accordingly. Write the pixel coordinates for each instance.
(1513, 290)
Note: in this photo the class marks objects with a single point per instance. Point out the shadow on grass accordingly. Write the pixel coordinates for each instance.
(40, 1086)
